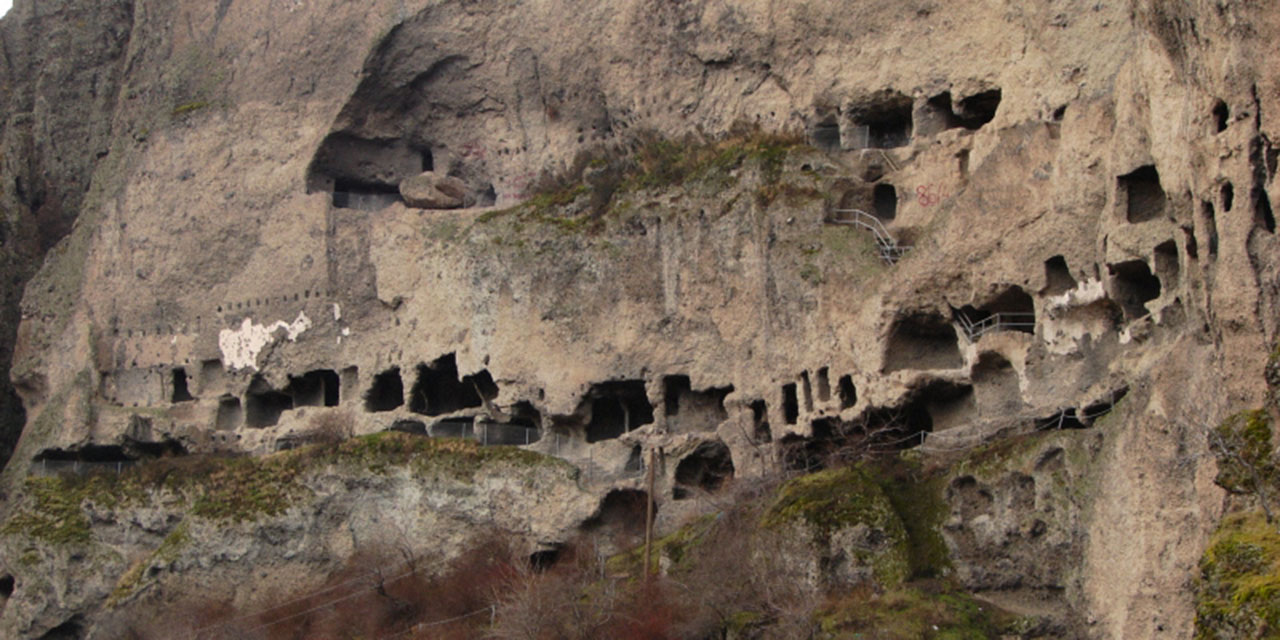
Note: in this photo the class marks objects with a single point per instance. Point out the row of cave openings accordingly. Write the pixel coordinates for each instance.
(889, 120)
(1142, 198)
(924, 341)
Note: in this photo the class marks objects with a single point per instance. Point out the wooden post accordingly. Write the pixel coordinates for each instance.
(648, 516)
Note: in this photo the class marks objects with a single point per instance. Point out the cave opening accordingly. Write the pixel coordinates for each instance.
(454, 427)
(94, 453)
(1227, 193)
(760, 431)
(885, 202)
(6, 586)
(264, 405)
(230, 415)
(541, 561)
(1208, 219)
(524, 414)
(887, 121)
(622, 514)
(826, 135)
(823, 382)
(1144, 197)
(1167, 267)
(1134, 286)
(689, 410)
(1262, 210)
(411, 427)
(386, 393)
(318, 388)
(706, 469)
(978, 109)
(181, 392)
(922, 341)
(438, 389)
(617, 406)
(847, 393)
(1221, 116)
(790, 403)
(1057, 276)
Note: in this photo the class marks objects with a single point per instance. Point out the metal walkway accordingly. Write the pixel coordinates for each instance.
(889, 248)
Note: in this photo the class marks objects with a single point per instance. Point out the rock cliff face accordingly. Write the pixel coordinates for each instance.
(715, 239)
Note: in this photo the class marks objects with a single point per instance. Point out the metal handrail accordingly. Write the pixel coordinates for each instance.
(999, 321)
(889, 248)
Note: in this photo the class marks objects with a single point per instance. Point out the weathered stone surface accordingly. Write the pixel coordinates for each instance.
(433, 191)
(1119, 191)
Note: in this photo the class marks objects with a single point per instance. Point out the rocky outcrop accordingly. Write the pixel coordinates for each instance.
(431, 191)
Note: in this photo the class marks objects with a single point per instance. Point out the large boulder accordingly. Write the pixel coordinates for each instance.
(434, 191)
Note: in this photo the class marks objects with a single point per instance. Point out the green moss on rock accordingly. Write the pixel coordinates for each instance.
(836, 499)
(1239, 595)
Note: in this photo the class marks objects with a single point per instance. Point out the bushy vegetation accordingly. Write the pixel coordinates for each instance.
(581, 196)
(733, 573)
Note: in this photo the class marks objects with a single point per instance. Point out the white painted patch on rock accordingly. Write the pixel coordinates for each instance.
(337, 312)
(240, 347)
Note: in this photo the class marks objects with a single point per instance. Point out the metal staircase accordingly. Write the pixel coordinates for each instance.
(889, 248)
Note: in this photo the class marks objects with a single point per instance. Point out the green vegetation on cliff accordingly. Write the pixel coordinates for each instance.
(1240, 580)
(246, 488)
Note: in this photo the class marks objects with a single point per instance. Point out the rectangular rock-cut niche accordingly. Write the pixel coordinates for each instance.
(616, 407)
(438, 390)
(348, 384)
(318, 388)
(790, 403)
(1141, 195)
(138, 387)
(386, 393)
(690, 411)
(213, 378)
(230, 414)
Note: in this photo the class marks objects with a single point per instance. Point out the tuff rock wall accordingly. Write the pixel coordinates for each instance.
(1098, 174)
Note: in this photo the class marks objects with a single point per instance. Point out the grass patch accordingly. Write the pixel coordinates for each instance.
(915, 611)
(189, 107)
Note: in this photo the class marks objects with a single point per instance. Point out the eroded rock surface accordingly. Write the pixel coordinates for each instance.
(735, 240)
